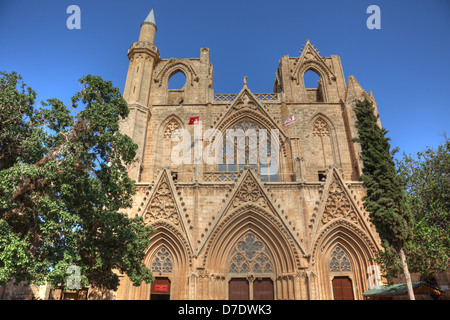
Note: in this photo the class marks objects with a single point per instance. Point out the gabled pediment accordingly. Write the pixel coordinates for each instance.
(164, 207)
(249, 195)
(246, 104)
(338, 204)
(310, 59)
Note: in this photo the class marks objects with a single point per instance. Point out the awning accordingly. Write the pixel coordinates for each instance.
(420, 287)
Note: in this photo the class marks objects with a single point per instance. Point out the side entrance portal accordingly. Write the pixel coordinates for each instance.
(160, 289)
(342, 288)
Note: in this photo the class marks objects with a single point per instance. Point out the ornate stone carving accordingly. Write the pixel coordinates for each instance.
(352, 229)
(310, 59)
(172, 66)
(249, 191)
(162, 206)
(220, 176)
(320, 128)
(162, 261)
(203, 273)
(170, 128)
(338, 205)
(250, 256)
(177, 234)
(339, 261)
(246, 101)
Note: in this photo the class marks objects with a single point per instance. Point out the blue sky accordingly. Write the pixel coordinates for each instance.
(406, 63)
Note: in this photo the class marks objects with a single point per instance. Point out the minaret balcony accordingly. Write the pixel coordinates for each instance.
(143, 47)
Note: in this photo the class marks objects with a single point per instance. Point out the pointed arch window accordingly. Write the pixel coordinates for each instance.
(324, 154)
(311, 79)
(313, 86)
(242, 147)
(166, 143)
(162, 261)
(177, 80)
(250, 256)
(321, 128)
(339, 261)
(170, 128)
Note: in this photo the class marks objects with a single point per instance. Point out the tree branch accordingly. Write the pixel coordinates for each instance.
(79, 127)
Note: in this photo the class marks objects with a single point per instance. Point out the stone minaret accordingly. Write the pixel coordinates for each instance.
(143, 56)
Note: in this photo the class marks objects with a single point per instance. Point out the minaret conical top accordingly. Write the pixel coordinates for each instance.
(151, 17)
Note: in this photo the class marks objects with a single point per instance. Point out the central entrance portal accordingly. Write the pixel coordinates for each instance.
(242, 289)
(251, 257)
(238, 289)
(263, 289)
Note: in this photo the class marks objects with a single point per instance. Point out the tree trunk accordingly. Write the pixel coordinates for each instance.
(407, 275)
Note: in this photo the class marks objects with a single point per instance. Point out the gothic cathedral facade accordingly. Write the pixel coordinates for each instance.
(234, 229)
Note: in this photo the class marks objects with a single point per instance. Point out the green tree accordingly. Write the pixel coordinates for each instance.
(384, 199)
(427, 192)
(63, 186)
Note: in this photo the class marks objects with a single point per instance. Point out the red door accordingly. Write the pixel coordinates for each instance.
(238, 289)
(263, 289)
(160, 289)
(342, 288)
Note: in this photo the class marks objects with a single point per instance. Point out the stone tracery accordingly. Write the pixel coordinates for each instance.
(170, 128)
(250, 256)
(249, 192)
(339, 261)
(162, 261)
(338, 205)
(249, 231)
(162, 206)
(320, 128)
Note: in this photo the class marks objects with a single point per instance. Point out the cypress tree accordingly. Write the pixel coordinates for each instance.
(384, 199)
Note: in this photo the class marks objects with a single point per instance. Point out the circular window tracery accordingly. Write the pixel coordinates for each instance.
(162, 261)
(250, 256)
(339, 261)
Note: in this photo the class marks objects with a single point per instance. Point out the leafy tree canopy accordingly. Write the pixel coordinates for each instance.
(426, 178)
(63, 185)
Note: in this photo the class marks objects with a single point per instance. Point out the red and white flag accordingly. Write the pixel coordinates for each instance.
(194, 120)
(290, 120)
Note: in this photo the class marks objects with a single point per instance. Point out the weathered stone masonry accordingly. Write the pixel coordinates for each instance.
(229, 232)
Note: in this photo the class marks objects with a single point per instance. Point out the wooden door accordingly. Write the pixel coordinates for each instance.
(263, 289)
(160, 289)
(342, 288)
(238, 289)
